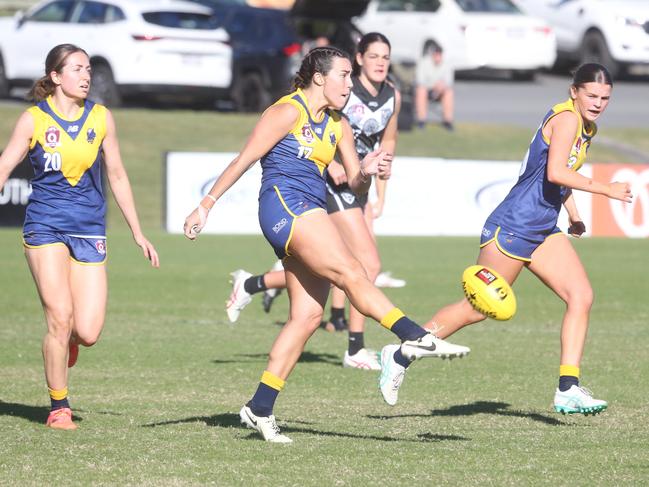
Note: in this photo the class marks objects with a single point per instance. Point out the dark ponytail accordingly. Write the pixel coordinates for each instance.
(54, 62)
(317, 60)
(364, 43)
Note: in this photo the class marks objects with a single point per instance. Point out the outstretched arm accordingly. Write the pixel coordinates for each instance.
(121, 188)
(273, 125)
(561, 130)
(17, 147)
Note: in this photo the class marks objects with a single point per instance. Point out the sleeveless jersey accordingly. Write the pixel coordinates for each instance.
(369, 115)
(297, 162)
(531, 209)
(67, 194)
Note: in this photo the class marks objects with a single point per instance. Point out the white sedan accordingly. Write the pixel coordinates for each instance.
(145, 47)
(491, 34)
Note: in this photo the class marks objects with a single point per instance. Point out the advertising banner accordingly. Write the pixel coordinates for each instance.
(425, 196)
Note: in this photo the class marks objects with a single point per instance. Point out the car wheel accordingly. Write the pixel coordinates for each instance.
(4, 82)
(595, 50)
(103, 88)
(523, 75)
(250, 94)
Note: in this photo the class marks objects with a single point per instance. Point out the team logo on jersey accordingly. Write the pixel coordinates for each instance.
(52, 137)
(348, 197)
(72, 129)
(332, 138)
(572, 160)
(307, 134)
(91, 135)
(100, 245)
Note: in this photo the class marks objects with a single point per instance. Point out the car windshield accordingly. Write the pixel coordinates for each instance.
(492, 6)
(181, 20)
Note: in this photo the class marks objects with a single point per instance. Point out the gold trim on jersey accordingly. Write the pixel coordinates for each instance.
(580, 143)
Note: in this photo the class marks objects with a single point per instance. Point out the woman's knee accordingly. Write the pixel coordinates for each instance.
(59, 320)
(580, 298)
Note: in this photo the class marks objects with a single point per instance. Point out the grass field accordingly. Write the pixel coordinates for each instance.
(157, 398)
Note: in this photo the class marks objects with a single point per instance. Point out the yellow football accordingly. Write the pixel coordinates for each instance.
(488, 292)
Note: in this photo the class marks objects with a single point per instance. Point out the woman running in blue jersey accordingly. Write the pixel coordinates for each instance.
(372, 111)
(522, 231)
(66, 138)
(295, 139)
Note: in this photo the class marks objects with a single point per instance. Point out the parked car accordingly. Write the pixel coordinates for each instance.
(147, 47)
(614, 33)
(266, 52)
(491, 34)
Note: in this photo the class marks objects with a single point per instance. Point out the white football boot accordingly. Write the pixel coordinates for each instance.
(385, 279)
(578, 400)
(392, 375)
(431, 346)
(239, 298)
(363, 359)
(266, 425)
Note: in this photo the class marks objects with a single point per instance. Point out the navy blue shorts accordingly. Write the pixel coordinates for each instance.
(511, 244)
(83, 249)
(278, 211)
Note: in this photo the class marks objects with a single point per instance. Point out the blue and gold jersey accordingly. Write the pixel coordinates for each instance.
(531, 209)
(299, 160)
(66, 157)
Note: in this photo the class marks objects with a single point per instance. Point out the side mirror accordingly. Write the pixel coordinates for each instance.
(20, 18)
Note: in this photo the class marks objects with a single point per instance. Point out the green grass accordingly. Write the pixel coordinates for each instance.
(157, 398)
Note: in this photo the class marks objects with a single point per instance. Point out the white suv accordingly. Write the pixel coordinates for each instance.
(612, 32)
(135, 47)
(474, 33)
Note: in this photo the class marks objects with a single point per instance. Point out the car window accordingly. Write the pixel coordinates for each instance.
(496, 6)
(92, 13)
(181, 20)
(114, 14)
(53, 12)
(409, 5)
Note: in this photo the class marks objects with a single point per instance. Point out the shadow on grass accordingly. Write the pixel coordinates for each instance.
(306, 357)
(232, 420)
(481, 407)
(35, 414)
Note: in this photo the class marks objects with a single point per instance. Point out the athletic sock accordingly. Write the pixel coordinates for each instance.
(263, 401)
(254, 284)
(356, 342)
(568, 377)
(337, 314)
(59, 399)
(402, 326)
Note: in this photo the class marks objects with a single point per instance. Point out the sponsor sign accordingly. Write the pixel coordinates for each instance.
(15, 195)
(425, 196)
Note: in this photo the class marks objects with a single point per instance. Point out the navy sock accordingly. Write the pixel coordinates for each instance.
(356, 342)
(263, 401)
(407, 329)
(567, 381)
(400, 359)
(59, 404)
(254, 284)
(337, 314)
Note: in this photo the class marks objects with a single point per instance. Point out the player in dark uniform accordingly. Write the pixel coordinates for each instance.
(522, 231)
(66, 138)
(296, 139)
(372, 110)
